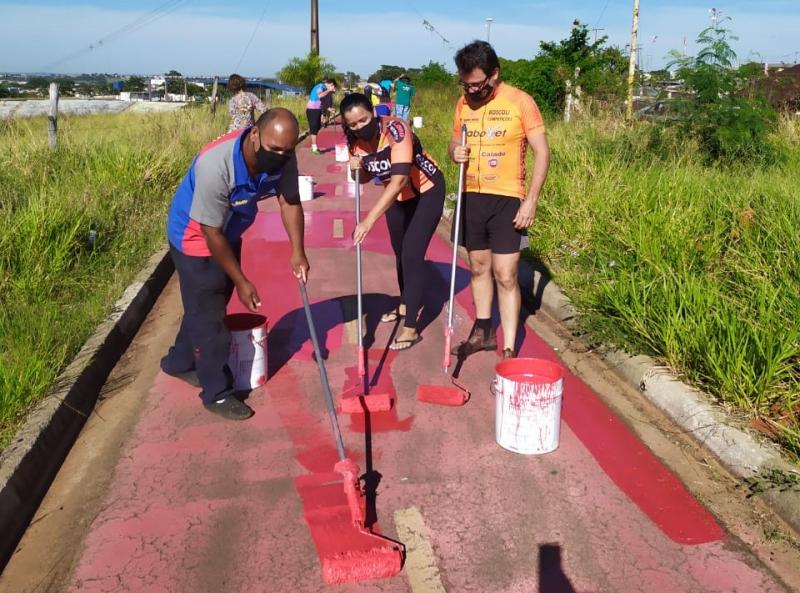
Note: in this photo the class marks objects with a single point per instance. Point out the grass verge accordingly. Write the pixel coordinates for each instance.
(78, 223)
(695, 265)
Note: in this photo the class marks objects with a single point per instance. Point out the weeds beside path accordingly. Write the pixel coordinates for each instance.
(694, 264)
(77, 225)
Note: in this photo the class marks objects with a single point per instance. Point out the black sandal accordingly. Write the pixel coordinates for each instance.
(411, 344)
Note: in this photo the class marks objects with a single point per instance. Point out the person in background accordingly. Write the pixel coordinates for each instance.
(403, 91)
(212, 207)
(502, 122)
(314, 109)
(327, 110)
(386, 90)
(386, 149)
(372, 90)
(242, 106)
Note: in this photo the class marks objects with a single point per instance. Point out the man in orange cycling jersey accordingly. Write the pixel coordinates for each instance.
(502, 121)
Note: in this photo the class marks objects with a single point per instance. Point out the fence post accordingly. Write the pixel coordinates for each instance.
(52, 116)
(214, 97)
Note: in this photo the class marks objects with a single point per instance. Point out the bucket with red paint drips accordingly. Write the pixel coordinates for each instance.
(528, 405)
(248, 356)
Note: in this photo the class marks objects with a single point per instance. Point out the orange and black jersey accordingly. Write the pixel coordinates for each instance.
(497, 135)
(399, 152)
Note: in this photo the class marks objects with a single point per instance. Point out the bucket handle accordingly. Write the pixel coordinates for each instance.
(493, 387)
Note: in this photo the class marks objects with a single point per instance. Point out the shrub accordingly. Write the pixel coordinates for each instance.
(727, 125)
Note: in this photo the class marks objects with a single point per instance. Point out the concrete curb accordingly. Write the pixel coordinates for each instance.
(32, 460)
(737, 450)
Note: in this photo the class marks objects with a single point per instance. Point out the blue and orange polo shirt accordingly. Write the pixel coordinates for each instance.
(218, 191)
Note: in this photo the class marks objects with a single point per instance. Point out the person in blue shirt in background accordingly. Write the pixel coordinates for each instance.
(314, 109)
(403, 91)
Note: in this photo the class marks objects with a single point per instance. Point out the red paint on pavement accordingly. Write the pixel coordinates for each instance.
(626, 460)
(377, 422)
(347, 553)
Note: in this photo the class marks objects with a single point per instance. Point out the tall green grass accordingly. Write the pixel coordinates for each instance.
(111, 176)
(696, 265)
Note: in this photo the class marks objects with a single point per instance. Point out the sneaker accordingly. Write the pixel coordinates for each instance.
(189, 376)
(315, 151)
(230, 408)
(508, 353)
(476, 343)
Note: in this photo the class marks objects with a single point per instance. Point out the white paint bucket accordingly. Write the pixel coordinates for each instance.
(248, 356)
(306, 184)
(417, 121)
(342, 155)
(528, 405)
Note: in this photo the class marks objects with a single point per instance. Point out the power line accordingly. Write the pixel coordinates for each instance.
(602, 14)
(429, 26)
(138, 23)
(252, 36)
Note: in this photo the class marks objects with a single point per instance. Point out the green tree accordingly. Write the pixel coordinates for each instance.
(195, 90)
(350, 79)
(602, 70)
(306, 71)
(173, 73)
(135, 84)
(727, 125)
(432, 73)
(386, 72)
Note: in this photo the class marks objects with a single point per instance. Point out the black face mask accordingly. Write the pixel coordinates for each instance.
(269, 161)
(481, 95)
(368, 131)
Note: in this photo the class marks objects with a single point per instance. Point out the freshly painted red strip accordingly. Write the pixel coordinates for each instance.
(628, 462)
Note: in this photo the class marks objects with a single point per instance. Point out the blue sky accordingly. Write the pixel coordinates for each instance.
(210, 37)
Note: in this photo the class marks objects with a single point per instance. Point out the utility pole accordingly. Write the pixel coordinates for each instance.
(489, 29)
(595, 30)
(315, 27)
(632, 59)
(52, 116)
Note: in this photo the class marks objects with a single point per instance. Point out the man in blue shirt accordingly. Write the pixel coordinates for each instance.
(214, 204)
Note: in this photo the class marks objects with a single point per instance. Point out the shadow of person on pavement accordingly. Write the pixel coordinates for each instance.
(552, 578)
(437, 291)
(288, 335)
(551, 573)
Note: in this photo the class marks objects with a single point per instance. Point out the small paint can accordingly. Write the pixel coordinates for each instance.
(248, 354)
(306, 185)
(417, 121)
(528, 393)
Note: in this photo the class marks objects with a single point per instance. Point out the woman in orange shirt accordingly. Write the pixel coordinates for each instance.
(385, 148)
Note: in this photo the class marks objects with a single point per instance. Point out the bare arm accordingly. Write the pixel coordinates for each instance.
(541, 165)
(223, 254)
(294, 223)
(388, 197)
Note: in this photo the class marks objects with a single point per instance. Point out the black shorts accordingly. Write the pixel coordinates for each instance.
(314, 120)
(488, 223)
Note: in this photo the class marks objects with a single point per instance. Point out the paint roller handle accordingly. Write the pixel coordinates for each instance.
(456, 234)
(359, 298)
(447, 341)
(323, 375)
